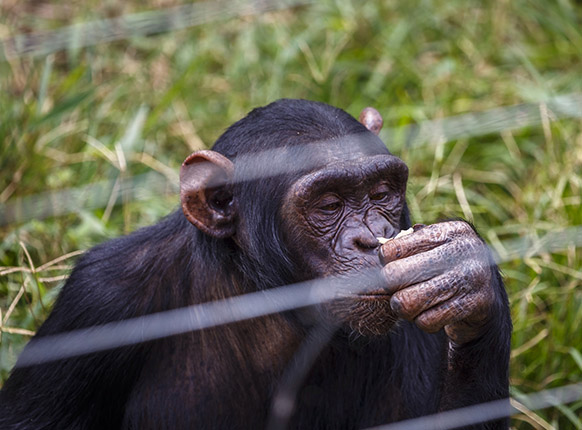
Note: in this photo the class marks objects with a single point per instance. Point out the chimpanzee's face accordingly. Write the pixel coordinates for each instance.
(337, 212)
(333, 217)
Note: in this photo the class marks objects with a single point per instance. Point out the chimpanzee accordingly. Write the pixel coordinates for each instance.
(296, 190)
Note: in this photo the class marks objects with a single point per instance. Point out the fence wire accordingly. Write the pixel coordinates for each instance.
(491, 121)
(242, 307)
(91, 33)
(192, 318)
(98, 194)
(488, 411)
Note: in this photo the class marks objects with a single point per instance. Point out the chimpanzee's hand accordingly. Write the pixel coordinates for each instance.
(440, 276)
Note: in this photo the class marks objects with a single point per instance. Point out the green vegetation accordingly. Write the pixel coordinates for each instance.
(115, 111)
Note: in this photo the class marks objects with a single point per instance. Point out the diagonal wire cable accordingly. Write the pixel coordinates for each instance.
(488, 411)
(490, 121)
(285, 397)
(238, 308)
(139, 24)
(192, 318)
(97, 194)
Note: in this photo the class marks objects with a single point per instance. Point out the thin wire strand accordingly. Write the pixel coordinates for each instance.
(192, 318)
(233, 309)
(148, 23)
(285, 398)
(483, 412)
(491, 121)
(141, 187)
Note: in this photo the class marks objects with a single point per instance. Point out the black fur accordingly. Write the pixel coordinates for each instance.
(224, 377)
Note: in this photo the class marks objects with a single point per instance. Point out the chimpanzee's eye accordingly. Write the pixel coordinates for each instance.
(331, 207)
(379, 196)
(329, 204)
(379, 192)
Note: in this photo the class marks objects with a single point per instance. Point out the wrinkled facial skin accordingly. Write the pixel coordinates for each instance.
(333, 217)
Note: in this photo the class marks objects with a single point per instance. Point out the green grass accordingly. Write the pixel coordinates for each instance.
(118, 110)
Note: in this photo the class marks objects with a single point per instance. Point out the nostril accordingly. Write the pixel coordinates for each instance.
(367, 243)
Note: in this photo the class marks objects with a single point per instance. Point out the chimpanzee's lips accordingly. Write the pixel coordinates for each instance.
(375, 295)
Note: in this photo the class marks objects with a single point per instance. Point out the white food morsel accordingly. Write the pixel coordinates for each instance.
(383, 240)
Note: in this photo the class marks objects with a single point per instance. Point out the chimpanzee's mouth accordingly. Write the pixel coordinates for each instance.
(374, 291)
(365, 295)
(374, 296)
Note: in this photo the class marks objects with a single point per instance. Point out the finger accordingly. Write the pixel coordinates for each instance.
(412, 301)
(423, 239)
(418, 268)
(448, 312)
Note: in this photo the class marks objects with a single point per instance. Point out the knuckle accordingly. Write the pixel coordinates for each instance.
(433, 233)
(479, 301)
(462, 231)
(464, 227)
(448, 230)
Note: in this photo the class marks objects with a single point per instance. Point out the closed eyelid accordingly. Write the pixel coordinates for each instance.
(328, 200)
(381, 186)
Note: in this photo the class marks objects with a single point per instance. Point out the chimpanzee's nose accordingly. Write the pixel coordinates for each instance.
(357, 237)
(377, 226)
(366, 241)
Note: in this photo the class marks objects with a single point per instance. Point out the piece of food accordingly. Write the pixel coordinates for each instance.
(383, 240)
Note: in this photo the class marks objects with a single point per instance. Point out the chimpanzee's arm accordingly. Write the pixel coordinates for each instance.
(478, 371)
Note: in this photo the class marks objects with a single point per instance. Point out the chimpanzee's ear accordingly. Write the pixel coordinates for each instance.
(206, 193)
(372, 120)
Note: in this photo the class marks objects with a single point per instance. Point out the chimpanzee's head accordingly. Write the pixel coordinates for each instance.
(303, 190)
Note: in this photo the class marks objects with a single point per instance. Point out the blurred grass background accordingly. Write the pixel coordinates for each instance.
(116, 111)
